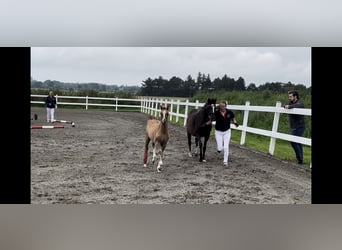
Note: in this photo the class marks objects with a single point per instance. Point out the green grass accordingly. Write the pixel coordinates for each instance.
(282, 150)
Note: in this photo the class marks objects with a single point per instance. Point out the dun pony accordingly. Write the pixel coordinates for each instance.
(199, 125)
(157, 132)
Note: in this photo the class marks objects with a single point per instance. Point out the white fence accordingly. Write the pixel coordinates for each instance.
(112, 102)
(151, 106)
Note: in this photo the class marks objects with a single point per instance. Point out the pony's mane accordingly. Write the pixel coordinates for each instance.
(211, 101)
(196, 118)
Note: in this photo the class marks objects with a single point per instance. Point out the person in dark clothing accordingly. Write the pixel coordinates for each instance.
(223, 117)
(51, 105)
(297, 123)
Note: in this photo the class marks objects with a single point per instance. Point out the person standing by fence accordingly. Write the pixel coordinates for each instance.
(297, 123)
(51, 105)
(223, 117)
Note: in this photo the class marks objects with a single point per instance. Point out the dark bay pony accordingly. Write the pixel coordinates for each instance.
(198, 124)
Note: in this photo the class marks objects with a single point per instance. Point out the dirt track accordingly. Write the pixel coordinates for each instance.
(100, 160)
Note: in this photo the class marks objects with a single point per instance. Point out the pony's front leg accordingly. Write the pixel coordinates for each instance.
(147, 141)
(154, 154)
(160, 161)
(205, 147)
(189, 144)
(198, 138)
(196, 148)
(161, 157)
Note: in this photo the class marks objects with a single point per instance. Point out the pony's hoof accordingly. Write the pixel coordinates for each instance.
(145, 165)
(204, 161)
(190, 155)
(158, 170)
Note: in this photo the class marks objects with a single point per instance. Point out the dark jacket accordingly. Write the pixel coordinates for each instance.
(50, 102)
(296, 121)
(223, 123)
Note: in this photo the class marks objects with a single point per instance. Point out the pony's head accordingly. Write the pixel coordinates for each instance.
(211, 101)
(210, 108)
(164, 113)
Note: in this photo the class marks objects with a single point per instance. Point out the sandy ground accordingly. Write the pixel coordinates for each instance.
(100, 160)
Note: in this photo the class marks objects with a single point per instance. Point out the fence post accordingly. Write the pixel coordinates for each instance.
(160, 104)
(116, 104)
(177, 114)
(150, 106)
(86, 102)
(171, 109)
(244, 124)
(145, 105)
(197, 104)
(156, 108)
(274, 129)
(186, 112)
(141, 105)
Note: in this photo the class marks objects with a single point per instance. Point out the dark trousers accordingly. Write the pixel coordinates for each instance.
(298, 147)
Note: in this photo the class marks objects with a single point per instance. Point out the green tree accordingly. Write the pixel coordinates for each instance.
(147, 87)
(252, 87)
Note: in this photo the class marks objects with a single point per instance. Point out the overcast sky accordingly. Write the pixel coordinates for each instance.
(132, 65)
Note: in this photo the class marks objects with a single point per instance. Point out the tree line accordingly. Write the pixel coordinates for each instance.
(175, 86)
(188, 88)
(81, 87)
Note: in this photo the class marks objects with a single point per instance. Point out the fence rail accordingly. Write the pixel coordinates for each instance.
(112, 102)
(151, 106)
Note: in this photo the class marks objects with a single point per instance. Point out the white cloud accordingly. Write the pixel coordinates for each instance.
(132, 65)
